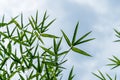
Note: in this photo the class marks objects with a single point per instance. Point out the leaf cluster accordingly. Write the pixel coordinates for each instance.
(23, 51)
(115, 63)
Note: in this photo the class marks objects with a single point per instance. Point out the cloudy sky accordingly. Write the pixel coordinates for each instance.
(98, 16)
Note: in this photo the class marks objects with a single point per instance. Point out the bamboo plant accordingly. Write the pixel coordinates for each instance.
(23, 52)
(115, 63)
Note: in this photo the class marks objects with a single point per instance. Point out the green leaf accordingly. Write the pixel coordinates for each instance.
(47, 72)
(36, 16)
(98, 76)
(115, 77)
(66, 38)
(22, 21)
(117, 31)
(75, 32)
(84, 41)
(3, 24)
(11, 66)
(116, 62)
(9, 46)
(80, 51)
(31, 75)
(3, 62)
(48, 35)
(38, 67)
(12, 20)
(21, 77)
(43, 21)
(45, 28)
(39, 38)
(13, 74)
(3, 18)
(62, 53)
(17, 24)
(109, 77)
(33, 20)
(55, 46)
(71, 76)
(15, 58)
(4, 49)
(47, 50)
(35, 51)
(102, 76)
(13, 31)
(20, 42)
(31, 23)
(3, 34)
(84, 36)
(59, 43)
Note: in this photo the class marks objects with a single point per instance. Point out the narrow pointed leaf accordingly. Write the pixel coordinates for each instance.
(84, 41)
(3, 24)
(66, 38)
(75, 33)
(84, 36)
(80, 51)
(21, 77)
(71, 76)
(47, 50)
(48, 35)
(45, 28)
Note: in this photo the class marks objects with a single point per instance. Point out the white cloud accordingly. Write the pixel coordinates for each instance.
(13, 7)
(100, 6)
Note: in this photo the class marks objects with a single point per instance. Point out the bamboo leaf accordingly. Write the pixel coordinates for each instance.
(22, 21)
(3, 24)
(39, 38)
(37, 17)
(31, 23)
(3, 34)
(31, 76)
(117, 31)
(3, 62)
(59, 43)
(12, 20)
(43, 22)
(45, 28)
(109, 77)
(84, 36)
(12, 74)
(47, 72)
(80, 51)
(21, 77)
(62, 53)
(75, 33)
(13, 31)
(84, 41)
(55, 46)
(20, 42)
(38, 67)
(102, 75)
(71, 76)
(48, 35)
(66, 38)
(98, 76)
(9, 46)
(47, 50)
(11, 66)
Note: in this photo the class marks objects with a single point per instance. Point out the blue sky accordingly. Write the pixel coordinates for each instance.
(98, 16)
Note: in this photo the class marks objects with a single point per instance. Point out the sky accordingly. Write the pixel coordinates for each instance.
(98, 16)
